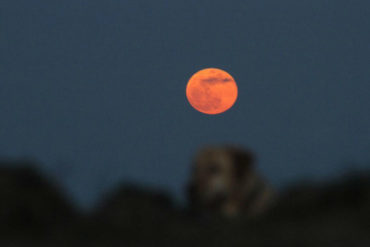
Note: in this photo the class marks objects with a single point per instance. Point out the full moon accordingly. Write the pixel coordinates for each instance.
(212, 91)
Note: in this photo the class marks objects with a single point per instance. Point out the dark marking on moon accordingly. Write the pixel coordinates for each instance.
(214, 80)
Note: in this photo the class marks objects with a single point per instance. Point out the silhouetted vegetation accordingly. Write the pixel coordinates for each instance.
(34, 212)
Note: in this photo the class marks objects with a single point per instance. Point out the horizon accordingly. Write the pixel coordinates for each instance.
(95, 91)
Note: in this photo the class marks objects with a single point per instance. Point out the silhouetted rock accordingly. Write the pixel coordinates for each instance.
(28, 201)
(134, 206)
(351, 193)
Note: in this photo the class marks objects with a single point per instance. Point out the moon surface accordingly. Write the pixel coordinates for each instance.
(212, 91)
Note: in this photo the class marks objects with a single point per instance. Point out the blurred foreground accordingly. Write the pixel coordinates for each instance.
(34, 212)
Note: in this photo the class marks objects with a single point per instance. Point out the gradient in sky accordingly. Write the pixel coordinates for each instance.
(95, 90)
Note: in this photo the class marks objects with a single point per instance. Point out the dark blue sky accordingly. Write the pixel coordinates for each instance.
(95, 90)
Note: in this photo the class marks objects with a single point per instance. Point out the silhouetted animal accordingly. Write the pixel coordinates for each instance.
(224, 181)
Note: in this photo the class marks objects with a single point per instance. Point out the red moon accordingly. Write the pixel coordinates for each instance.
(212, 91)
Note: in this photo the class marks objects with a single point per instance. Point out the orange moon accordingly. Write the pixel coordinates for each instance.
(212, 91)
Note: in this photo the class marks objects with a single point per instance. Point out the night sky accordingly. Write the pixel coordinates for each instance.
(95, 90)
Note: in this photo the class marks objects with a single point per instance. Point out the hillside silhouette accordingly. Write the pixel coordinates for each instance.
(35, 212)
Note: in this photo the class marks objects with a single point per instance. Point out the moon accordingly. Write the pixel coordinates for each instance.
(212, 91)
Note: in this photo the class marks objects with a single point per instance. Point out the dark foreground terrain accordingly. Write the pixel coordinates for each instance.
(34, 212)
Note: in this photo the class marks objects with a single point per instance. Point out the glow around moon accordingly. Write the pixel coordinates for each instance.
(212, 91)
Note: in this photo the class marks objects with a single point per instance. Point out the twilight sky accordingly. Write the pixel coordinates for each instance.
(95, 90)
